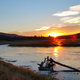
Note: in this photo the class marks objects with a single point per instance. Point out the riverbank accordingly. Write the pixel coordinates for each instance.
(11, 72)
(47, 43)
(43, 43)
(34, 43)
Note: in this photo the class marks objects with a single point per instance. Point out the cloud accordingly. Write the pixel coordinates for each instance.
(66, 13)
(55, 26)
(60, 25)
(74, 10)
(69, 29)
(43, 28)
(65, 18)
(20, 31)
(71, 19)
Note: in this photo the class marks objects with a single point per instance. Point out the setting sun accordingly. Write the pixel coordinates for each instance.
(54, 34)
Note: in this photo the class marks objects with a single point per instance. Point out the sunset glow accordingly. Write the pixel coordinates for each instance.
(55, 52)
(54, 34)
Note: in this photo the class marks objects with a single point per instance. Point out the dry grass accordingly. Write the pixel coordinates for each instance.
(34, 43)
(47, 43)
(11, 72)
(43, 43)
(68, 42)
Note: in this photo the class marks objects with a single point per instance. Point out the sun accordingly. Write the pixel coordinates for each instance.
(54, 34)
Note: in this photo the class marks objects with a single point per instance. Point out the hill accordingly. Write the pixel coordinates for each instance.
(9, 35)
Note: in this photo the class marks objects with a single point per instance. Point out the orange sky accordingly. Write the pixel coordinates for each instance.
(64, 30)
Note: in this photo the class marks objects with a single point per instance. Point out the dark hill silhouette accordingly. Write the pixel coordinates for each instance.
(9, 35)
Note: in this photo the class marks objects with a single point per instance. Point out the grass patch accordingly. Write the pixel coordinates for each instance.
(47, 43)
(11, 72)
(68, 42)
(37, 43)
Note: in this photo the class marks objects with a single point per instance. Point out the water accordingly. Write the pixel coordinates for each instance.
(30, 56)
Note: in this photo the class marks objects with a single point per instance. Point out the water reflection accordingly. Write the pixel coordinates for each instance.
(56, 51)
(32, 55)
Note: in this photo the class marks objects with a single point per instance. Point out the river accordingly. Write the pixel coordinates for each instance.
(30, 56)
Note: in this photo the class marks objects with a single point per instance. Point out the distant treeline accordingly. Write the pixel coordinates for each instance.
(9, 38)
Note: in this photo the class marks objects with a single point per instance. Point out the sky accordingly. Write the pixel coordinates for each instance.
(40, 17)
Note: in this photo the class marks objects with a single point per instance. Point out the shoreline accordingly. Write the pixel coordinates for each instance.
(8, 71)
(42, 43)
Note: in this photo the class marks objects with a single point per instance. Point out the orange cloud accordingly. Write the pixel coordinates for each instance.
(20, 31)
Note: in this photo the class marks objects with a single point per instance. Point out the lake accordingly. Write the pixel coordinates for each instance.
(30, 56)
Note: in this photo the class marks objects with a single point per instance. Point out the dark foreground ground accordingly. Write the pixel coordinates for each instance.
(11, 72)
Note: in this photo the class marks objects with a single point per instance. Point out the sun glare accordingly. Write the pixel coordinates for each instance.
(54, 34)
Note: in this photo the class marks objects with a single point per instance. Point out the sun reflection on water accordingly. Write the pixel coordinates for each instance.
(56, 51)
